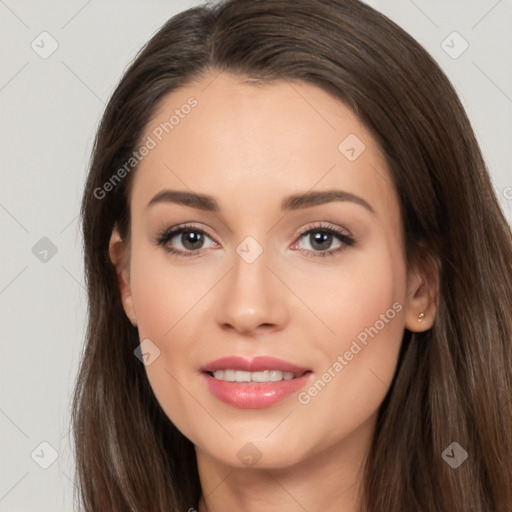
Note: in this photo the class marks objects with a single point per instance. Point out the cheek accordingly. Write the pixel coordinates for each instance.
(164, 293)
(369, 294)
(166, 298)
(374, 316)
(365, 309)
(352, 294)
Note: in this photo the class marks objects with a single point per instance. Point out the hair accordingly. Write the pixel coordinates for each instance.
(452, 383)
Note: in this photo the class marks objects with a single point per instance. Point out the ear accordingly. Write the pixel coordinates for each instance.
(422, 294)
(119, 255)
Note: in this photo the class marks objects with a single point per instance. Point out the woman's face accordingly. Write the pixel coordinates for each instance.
(297, 254)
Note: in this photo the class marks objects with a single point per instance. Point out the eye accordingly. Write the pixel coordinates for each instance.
(323, 240)
(184, 240)
(318, 240)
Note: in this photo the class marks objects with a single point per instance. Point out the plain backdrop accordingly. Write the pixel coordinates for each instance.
(50, 106)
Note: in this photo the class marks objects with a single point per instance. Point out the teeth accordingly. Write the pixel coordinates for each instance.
(229, 375)
(243, 376)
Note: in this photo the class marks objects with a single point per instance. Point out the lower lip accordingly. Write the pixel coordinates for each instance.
(254, 395)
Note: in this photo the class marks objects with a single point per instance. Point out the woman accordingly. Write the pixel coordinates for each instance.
(299, 277)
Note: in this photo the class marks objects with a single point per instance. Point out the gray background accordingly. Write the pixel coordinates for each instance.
(49, 111)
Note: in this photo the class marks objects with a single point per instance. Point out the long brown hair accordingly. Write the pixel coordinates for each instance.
(453, 382)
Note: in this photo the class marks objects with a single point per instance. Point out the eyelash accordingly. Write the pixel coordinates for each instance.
(347, 240)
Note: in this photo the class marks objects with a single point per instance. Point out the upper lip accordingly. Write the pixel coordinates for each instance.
(254, 364)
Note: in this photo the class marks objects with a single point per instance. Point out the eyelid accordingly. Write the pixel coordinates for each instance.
(164, 235)
(321, 225)
(344, 236)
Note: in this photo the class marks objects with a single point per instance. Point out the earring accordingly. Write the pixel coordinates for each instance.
(421, 316)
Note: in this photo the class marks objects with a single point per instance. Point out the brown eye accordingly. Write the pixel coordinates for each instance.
(323, 241)
(320, 240)
(192, 240)
(184, 241)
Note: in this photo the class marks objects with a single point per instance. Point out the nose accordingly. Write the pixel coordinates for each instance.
(252, 299)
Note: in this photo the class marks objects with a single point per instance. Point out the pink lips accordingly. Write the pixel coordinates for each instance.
(253, 395)
(256, 364)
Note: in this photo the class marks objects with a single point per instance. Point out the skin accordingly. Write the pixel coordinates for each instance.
(249, 147)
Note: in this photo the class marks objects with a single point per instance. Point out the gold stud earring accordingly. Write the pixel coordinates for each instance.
(421, 316)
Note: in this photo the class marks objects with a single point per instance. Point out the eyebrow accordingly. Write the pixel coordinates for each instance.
(290, 203)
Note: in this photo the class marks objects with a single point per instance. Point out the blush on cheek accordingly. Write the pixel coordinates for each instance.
(373, 330)
(364, 302)
(161, 294)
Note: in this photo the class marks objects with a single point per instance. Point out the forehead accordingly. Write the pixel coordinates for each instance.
(223, 137)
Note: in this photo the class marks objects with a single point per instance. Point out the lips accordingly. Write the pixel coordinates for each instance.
(247, 383)
(256, 364)
(262, 376)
